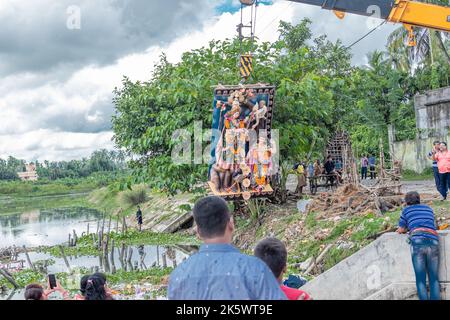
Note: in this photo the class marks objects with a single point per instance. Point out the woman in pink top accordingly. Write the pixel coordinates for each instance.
(443, 161)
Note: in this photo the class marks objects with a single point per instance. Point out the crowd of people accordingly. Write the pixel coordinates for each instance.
(92, 287)
(330, 169)
(219, 271)
(368, 165)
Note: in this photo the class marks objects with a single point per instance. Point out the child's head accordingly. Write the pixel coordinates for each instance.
(412, 198)
(34, 292)
(273, 252)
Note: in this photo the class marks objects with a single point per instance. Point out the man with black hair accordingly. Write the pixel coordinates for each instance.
(372, 167)
(219, 271)
(419, 220)
(329, 169)
(139, 218)
(273, 252)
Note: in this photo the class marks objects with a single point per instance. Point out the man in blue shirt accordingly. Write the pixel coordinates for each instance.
(219, 271)
(372, 165)
(435, 150)
(419, 220)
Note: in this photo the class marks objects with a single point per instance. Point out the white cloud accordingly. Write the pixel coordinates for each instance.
(42, 112)
(55, 146)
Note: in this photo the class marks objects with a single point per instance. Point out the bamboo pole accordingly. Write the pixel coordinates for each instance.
(130, 255)
(157, 255)
(28, 259)
(65, 258)
(75, 238)
(10, 278)
(112, 250)
(124, 225)
(319, 258)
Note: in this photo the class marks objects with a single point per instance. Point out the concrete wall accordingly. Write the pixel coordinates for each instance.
(433, 112)
(432, 121)
(414, 153)
(382, 270)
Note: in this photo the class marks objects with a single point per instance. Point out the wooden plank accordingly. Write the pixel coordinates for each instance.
(266, 191)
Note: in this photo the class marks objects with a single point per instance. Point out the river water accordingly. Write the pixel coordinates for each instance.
(42, 227)
(50, 227)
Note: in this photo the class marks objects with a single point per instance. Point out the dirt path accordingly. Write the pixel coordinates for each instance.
(421, 186)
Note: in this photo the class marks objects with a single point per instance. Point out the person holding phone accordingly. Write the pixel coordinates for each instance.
(443, 161)
(37, 292)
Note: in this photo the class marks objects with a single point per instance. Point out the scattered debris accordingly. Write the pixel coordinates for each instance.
(303, 266)
(303, 205)
(351, 199)
(344, 245)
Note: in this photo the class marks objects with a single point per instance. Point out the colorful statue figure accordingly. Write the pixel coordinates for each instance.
(238, 171)
(260, 161)
(232, 117)
(259, 113)
(221, 170)
(247, 104)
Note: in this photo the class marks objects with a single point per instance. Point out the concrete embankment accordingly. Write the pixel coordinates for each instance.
(381, 271)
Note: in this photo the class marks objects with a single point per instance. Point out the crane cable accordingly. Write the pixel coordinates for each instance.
(366, 35)
(246, 60)
(277, 17)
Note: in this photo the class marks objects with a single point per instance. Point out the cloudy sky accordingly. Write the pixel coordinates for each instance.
(60, 60)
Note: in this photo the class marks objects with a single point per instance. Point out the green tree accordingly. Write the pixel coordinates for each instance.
(309, 79)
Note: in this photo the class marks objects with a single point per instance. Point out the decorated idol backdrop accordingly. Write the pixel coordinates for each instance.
(242, 149)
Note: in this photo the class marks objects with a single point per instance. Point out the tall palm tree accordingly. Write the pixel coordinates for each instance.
(431, 45)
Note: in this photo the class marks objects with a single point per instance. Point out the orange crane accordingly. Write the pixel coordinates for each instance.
(410, 13)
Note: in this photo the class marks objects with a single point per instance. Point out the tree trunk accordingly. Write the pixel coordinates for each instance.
(442, 46)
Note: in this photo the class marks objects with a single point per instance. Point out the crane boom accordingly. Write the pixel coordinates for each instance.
(360, 7)
(410, 13)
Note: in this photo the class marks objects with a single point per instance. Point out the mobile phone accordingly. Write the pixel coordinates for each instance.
(52, 281)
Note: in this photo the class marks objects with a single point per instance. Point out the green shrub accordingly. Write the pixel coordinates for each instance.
(136, 196)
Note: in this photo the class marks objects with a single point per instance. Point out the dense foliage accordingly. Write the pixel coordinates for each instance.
(318, 91)
(99, 161)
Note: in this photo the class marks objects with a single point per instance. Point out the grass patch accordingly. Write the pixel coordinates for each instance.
(336, 255)
(47, 187)
(85, 245)
(311, 221)
(11, 205)
(71, 281)
(410, 175)
(152, 275)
